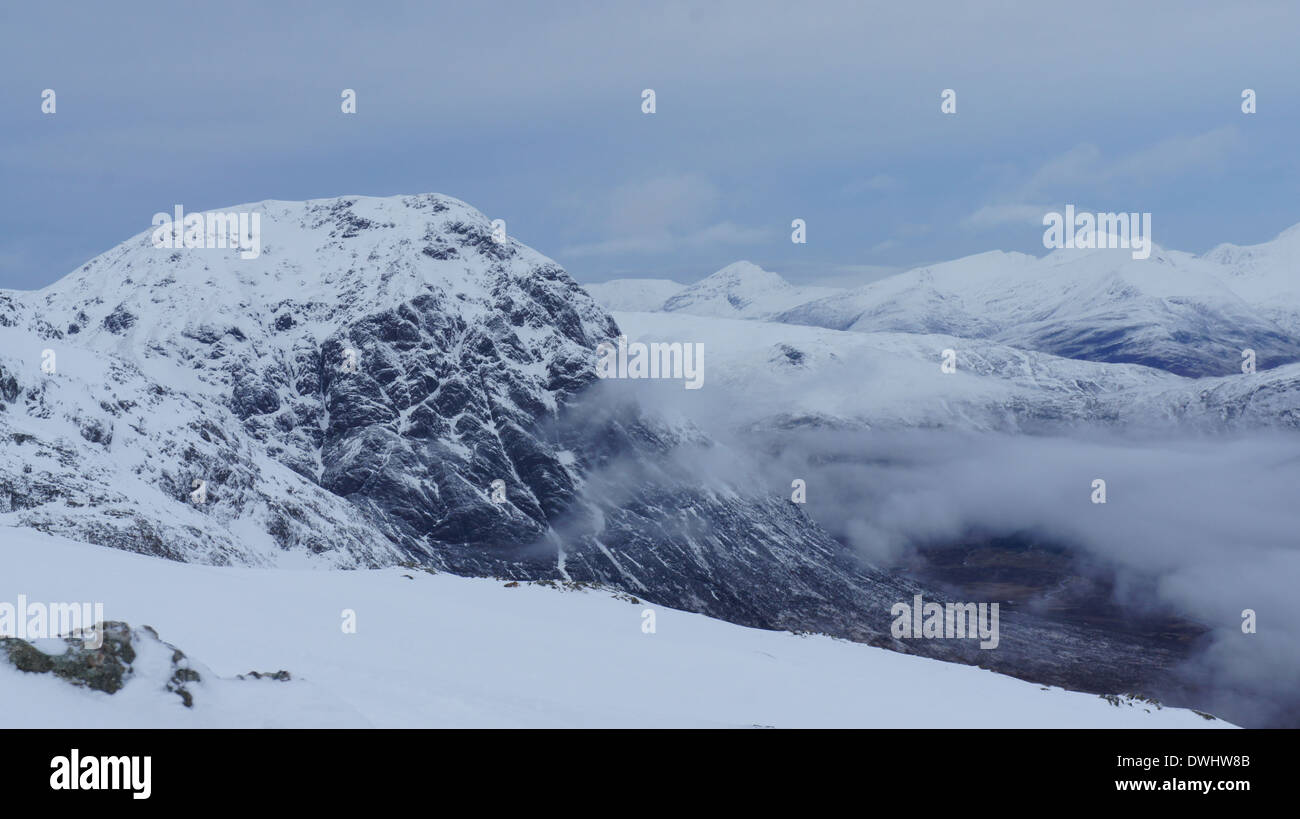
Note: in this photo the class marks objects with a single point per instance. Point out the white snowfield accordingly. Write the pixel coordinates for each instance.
(447, 651)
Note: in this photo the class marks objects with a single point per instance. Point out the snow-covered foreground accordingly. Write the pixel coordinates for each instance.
(447, 651)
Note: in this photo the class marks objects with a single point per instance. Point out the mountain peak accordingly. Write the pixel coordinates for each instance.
(734, 290)
(745, 273)
(329, 261)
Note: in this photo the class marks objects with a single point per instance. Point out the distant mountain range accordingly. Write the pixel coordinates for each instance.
(1188, 315)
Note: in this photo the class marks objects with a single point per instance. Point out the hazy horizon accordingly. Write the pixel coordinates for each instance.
(763, 115)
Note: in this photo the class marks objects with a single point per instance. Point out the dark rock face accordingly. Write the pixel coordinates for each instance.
(115, 661)
(119, 320)
(102, 669)
(1207, 346)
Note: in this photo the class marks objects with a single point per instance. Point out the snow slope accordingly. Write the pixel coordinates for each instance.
(445, 651)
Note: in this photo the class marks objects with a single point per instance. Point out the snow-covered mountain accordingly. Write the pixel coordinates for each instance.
(634, 294)
(741, 290)
(1173, 311)
(474, 363)
(1188, 315)
(1266, 275)
(413, 290)
(917, 301)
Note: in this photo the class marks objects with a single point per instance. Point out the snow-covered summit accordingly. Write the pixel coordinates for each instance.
(741, 290)
(323, 264)
(1266, 275)
(634, 294)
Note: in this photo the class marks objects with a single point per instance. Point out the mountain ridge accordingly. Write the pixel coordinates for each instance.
(1189, 315)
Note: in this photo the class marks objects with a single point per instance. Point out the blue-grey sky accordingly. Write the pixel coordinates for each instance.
(766, 112)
